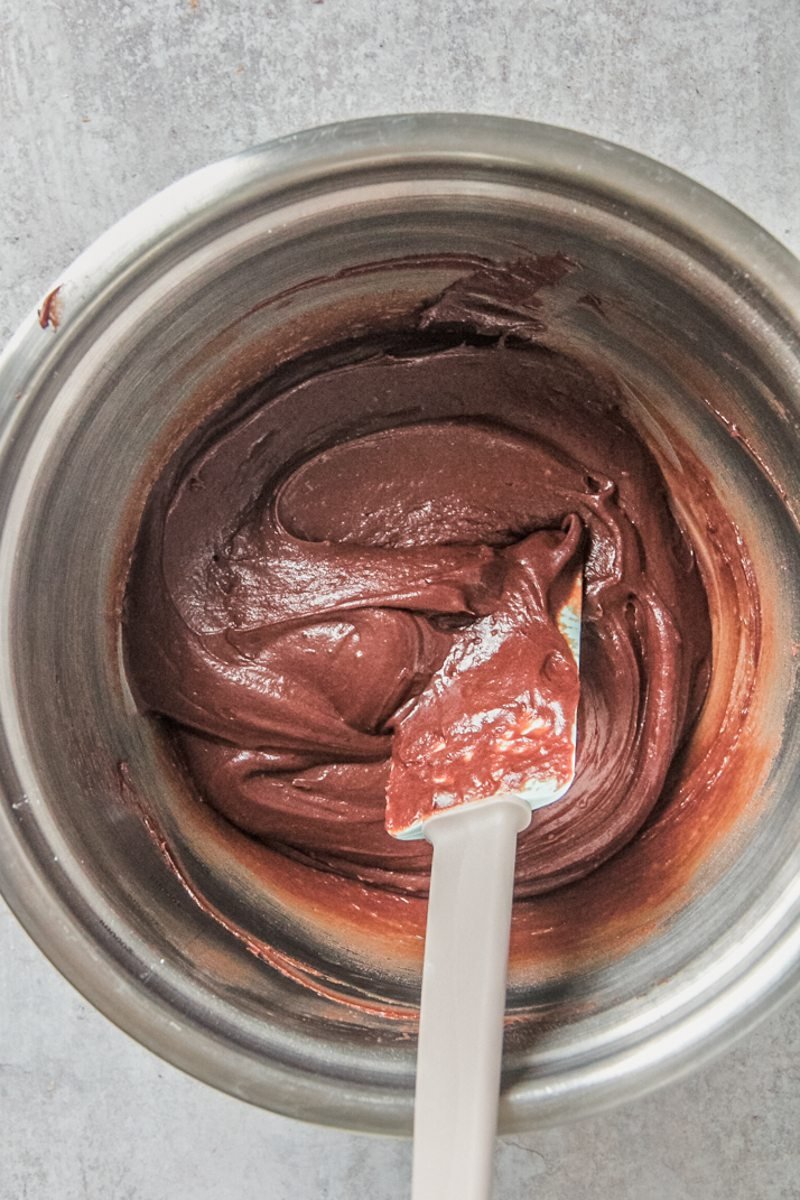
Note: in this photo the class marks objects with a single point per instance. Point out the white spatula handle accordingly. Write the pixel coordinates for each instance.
(464, 998)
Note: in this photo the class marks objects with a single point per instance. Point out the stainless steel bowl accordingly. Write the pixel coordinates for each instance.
(174, 310)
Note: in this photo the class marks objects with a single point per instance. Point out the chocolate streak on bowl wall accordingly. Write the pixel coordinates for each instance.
(619, 902)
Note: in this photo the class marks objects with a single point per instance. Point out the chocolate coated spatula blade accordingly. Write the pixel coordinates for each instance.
(500, 714)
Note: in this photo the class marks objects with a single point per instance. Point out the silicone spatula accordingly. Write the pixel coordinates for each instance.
(492, 738)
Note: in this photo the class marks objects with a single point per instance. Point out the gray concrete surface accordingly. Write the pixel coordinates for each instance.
(101, 104)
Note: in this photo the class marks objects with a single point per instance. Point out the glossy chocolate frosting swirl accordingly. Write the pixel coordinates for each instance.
(307, 559)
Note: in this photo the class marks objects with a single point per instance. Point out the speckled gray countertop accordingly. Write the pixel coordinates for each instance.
(101, 104)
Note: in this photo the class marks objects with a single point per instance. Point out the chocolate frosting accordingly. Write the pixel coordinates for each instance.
(310, 556)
